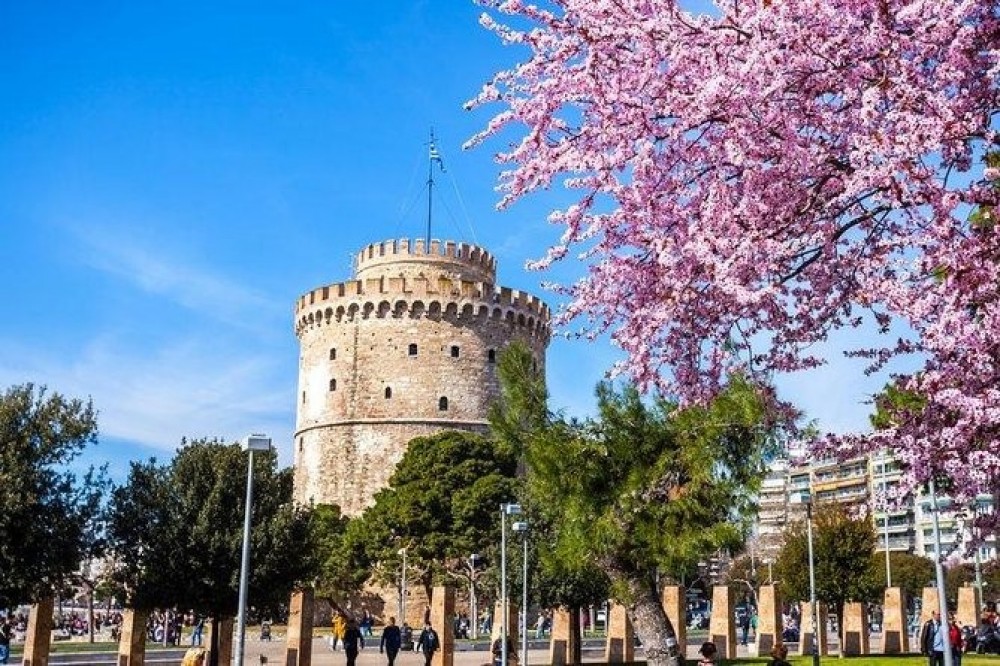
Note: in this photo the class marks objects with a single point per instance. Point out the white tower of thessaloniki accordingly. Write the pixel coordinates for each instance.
(408, 348)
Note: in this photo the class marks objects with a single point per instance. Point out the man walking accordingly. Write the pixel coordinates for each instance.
(428, 642)
(353, 641)
(392, 639)
(933, 638)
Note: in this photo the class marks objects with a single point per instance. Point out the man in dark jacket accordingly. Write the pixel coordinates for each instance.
(353, 641)
(428, 642)
(392, 639)
(933, 638)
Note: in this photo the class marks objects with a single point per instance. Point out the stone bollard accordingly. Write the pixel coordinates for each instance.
(895, 632)
(807, 635)
(768, 619)
(298, 644)
(929, 603)
(969, 606)
(675, 606)
(620, 645)
(563, 647)
(38, 639)
(442, 612)
(722, 626)
(854, 633)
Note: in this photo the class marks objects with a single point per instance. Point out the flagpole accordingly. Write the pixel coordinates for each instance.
(430, 190)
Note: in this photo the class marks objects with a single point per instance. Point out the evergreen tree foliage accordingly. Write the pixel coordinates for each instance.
(642, 486)
(441, 504)
(50, 516)
(176, 532)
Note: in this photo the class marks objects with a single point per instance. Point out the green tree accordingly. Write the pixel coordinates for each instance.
(843, 549)
(911, 572)
(642, 486)
(50, 517)
(441, 504)
(177, 532)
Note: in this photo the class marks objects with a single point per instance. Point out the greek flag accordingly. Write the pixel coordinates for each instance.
(436, 156)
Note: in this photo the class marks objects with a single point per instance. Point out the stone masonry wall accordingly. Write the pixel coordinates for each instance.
(388, 359)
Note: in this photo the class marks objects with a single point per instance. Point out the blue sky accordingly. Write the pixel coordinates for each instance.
(173, 176)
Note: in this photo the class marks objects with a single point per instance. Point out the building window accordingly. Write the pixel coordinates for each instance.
(491, 356)
(454, 351)
(413, 349)
(388, 392)
(333, 384)
(303, 397)
(333, 353)
(300, 445)
(443, 404)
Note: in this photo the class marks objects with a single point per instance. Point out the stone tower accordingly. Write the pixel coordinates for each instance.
(407, 348)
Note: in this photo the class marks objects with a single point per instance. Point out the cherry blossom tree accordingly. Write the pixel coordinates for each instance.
(749, 180)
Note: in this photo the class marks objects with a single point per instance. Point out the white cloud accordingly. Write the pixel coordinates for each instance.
(149, 266)
(154, 397)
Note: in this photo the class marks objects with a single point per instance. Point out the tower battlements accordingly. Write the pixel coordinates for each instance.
(412, 297)
(414, 257)
(407, 348)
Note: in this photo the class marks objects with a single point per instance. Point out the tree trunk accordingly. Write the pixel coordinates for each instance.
(90, 612)
(650, 622)
(213, 643)
(575, 636)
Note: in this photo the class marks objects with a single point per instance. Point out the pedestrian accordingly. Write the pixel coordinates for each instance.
(744, 627)
(497, 650)
(955, 640)
(197, 632)
(5, 634)
(933, 638)
(428, 642)
(707, 652)
(778, 656)
(353, 641)
(339, 626)
(391, 641)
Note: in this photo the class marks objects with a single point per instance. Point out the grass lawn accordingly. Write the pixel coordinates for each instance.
(873, 660)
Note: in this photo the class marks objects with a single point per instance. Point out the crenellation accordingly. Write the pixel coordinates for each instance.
(360, 406)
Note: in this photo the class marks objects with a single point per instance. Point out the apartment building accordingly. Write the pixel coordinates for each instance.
(869, 482)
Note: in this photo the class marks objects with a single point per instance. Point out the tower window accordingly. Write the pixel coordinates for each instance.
(303, 397)
(333, 384)
(454, 351)
(413, 349)
(300, 444)
(491, 356)
(443, 404)
(388, 392)
(333, 353)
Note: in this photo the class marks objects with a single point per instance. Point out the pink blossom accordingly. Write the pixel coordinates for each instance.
(752, 180)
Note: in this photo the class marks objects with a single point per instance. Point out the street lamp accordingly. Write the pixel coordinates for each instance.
(522, 527)
(474, 610)
(939, 570)
(402, 587)
(251, 444)
(885, 517)
(505, 510)
(806, 499)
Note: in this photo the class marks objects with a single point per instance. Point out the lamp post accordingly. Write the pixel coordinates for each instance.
(806, 499)
(505, 510)
(474, 609)
(402, 587)
(939, 570)
(250, 444)
(522, 527)
(885, 517)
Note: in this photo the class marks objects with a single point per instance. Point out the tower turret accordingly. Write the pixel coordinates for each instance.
(407, 348)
